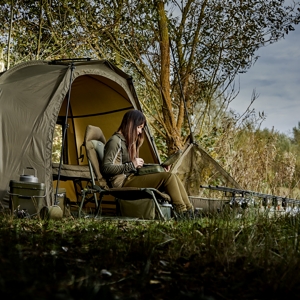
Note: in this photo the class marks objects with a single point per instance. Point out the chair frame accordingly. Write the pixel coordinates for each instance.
(126, 193)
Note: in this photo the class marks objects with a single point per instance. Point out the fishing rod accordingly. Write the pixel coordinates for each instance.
(234, 192)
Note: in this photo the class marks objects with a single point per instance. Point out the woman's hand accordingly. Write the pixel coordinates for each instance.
(168, 168)
(138, 162)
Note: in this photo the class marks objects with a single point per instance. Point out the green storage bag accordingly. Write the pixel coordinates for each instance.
(142, 208)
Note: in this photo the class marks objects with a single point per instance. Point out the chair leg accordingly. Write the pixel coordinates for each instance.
(83, 193)
(98, 209)
(161, 215)
(118, 209)
(89, 191)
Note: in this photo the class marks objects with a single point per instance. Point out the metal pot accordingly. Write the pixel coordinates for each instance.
(29, 178)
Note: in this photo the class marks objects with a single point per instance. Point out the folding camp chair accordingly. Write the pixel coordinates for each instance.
(94, 142)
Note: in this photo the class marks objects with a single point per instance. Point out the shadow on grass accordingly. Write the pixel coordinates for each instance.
(220, 257)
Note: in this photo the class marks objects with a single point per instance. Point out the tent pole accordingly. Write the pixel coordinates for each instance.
(72, 67)
(182, 95)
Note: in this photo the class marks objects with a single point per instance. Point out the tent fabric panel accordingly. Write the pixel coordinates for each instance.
(196, 167)
(119, 80)
(88, 96)
(15, 71)
(24, 97)
(97, 104)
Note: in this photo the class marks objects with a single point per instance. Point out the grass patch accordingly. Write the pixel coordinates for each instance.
(221, 257)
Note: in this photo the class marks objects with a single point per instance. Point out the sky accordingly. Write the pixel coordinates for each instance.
(276, 78)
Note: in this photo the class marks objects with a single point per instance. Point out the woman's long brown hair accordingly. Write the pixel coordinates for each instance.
(131, 120)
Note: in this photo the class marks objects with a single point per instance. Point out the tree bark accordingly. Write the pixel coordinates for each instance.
(9, 34)
(173, 134)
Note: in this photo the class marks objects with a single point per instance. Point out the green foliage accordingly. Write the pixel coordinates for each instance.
(260, 160)
(57, 144)
(212, 41)
(296, 134)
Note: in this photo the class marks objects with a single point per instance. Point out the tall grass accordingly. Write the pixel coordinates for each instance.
(224, 256)
(260, 160)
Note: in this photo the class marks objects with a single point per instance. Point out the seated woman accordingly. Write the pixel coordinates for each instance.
(121, 158)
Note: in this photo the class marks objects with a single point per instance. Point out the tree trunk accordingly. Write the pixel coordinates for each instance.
(40, 31)
(173, 134)
(9, 34)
